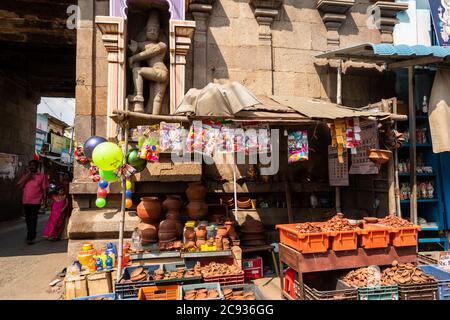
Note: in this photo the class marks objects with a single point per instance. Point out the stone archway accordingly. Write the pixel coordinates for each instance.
(118, 8)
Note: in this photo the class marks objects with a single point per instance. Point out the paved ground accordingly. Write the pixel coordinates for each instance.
(25, 271)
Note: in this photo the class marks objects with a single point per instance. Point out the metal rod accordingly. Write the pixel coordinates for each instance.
(122, 209)
(412, 149)
(235, 185)
(398, 208)
(339, 102)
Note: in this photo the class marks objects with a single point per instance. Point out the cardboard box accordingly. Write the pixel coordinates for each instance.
(99, 283)
(75, 287)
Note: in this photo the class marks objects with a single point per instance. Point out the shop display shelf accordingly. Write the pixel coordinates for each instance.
(107, 296)
(418, 145)
(420, 201)
(154, 255)
(342, 292)
(209, 286)
(226, 280)
(442, 277)
(378, 293)
(246, 287)
(418, 174)
(374, 236)
(158, 292)
(303, 242)
(205, 254)
(422, 291)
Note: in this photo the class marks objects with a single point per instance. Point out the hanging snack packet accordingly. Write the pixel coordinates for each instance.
(170, 137)
(298, 146)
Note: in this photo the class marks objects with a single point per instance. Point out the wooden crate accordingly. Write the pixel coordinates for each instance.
(75, 288)
(99, 283)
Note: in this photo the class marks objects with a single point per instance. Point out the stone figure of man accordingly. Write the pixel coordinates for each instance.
(152, 52)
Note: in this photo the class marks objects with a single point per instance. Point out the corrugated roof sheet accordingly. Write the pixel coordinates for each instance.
(319, 109)
(387, 52)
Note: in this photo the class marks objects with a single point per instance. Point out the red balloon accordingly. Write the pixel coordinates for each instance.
(102, 193)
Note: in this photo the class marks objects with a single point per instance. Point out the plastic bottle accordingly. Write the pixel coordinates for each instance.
(109, 262)
(99, 264)
(136, 239)
(74, 270)
(425, 105)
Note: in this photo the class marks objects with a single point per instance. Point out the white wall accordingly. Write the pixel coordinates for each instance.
(415, 24)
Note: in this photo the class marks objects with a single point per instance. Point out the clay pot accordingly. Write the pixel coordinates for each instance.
(196, 191)
(180, 228)
(244, 203)
(199, 243)
(197, 209)
(219, 245)
(230, 230)
(149, 209)
(189, 233)
(379, 156)
(149, 232)
(167, 231)
(201, 233)
(172, 204)
(227, 200)
(175, 216)
(222, 231)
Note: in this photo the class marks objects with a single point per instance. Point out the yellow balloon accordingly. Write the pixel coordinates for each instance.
(107, 156)
(128, 184)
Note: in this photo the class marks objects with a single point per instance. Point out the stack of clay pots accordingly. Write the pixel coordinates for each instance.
(149, 210)
(197, 208)
(252, 233)
(172, 206)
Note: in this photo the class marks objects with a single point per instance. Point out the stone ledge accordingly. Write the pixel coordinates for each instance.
(100, 224)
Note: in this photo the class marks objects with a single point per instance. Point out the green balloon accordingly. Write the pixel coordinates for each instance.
(109, 176)
(141, 141)
(100, 202)
(141, 166)
(107, 156)
(134, 160)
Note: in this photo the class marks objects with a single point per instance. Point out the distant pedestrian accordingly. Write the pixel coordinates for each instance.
(55, 223)
(34, 185)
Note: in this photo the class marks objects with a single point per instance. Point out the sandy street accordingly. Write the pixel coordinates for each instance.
(26, 270)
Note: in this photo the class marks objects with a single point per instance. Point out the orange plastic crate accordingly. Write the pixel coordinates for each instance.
(374, 236)
(170, 292)
(405, 236)
(303, 242)
(344, 240)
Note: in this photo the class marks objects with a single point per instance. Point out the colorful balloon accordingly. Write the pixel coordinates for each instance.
(102, 193)
(109, 176)
(128, 194)
(103, 184)
(134, 160)
(141, 142)
(90, 144)
(100, 202)
(107, 156)
(128, 185)
(128, 203)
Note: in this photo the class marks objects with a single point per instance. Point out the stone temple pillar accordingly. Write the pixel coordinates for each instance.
(265, 12)
(201, 10)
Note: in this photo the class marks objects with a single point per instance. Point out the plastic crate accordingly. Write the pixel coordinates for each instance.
(344, 240)
(253, 268)
(130, 290)
(404, 237)
(169, 292)
(226, 280)
(246, 287)
(208, 286)
(108, 296)
(442, 277)
(422, 291)
(374, 236)
(378, 293)
(342, 292)
(303, 242)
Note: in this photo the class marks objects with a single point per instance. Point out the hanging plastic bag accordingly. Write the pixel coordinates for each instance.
(298, 146)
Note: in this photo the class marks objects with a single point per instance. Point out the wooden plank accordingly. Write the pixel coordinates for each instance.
(410, 63)
(412, 148)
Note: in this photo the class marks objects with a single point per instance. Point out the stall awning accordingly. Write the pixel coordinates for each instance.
(395, 56)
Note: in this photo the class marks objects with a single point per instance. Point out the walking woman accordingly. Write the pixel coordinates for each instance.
(55, 224)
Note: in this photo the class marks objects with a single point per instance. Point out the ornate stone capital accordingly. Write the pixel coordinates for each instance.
(112, 29)
(266, 11)
(334, 13)
(385, 17)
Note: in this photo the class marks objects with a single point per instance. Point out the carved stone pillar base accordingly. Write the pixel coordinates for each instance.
(385, 16)
(334, 13)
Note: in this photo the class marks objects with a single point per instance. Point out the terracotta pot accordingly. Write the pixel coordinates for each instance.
(197, 210)
(149, 232)
(222, 231)
(199, 243)
(189, 233)
(149, 209)
(180, 228)
(172, 203)
(227, 200)
(244, 203)
(167, 231)
(379, 156)
(201, 233)
(176, 216)
(196, 191)
(219, 244)
(230, 230)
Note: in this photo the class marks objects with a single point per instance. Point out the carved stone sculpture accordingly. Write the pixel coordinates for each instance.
(147, 63)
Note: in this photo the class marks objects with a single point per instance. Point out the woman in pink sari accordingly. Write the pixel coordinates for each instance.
(55, 223)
